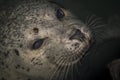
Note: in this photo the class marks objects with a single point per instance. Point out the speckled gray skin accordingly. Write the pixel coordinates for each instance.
(59, 56)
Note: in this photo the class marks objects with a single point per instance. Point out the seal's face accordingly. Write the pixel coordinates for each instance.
(49, 37)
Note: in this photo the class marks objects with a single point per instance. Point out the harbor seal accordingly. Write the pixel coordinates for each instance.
(40, 40)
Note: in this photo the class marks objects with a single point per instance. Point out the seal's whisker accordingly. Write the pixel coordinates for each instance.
(75, 65)
(64, 71)
(78, 63)
(59, 61)
(100, 36)
(98, 31)
(95, 25)
(70, 65)
(89, 18)
(60, 71)
(77, 68)
(72, 71)
(68, 70)
(94, 21)
(98, 26)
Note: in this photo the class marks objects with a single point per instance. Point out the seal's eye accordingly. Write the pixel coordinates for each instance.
(37, 44)
(59, 13)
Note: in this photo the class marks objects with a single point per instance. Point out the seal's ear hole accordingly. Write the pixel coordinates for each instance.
(35, 30)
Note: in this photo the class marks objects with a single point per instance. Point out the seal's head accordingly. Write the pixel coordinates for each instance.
(45, 38)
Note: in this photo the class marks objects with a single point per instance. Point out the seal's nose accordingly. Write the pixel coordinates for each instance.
(78, 35)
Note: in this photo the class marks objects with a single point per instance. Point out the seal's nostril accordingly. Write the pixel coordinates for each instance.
(78, 35)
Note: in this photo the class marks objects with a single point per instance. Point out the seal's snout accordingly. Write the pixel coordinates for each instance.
(78, 35)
